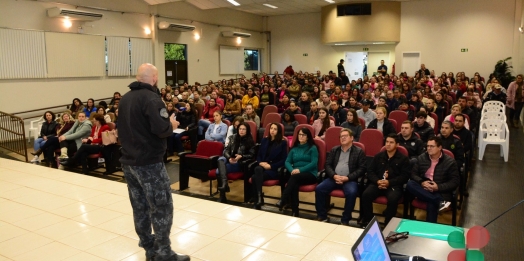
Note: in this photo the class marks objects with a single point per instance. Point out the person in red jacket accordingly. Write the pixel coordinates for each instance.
(90, 145)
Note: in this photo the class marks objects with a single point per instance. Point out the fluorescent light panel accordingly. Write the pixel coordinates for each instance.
(233, 2)
(270, 6)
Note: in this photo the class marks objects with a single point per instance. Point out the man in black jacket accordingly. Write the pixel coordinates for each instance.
(451, 143)
(433, 179)
(423, 128)
(143, 126)
(386, 176)
(410, 141)
(312, 114)
(344, 165)
(339, 113)
(340, 67)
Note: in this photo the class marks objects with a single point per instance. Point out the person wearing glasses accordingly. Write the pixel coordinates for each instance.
(344, 165)
(433, 179)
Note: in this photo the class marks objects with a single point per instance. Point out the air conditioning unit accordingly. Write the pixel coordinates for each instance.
(175, 27)
(236, 34)
(73, 14)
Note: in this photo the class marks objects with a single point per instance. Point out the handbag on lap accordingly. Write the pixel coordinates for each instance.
(109, 137)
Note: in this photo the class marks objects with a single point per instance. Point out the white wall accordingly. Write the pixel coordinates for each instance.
(440, 29)
(294, 35)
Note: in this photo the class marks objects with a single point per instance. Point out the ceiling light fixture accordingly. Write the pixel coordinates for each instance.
(239, 40)
(330, 1)
(379, 43)
(270, 6)
(521, 29)
(67, 23)
(197, 36)
(233, 2)
(147, 31)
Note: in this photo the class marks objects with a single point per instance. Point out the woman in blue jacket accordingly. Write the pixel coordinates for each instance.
(90, 107)
(272, 155)
(217, 131)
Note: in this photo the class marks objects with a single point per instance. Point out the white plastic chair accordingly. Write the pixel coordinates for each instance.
(497, 132)
(492, 110)
(34, 128)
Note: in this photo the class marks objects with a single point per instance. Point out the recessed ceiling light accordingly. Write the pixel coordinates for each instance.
(330, 1)
(379, 43)
(233, 2)
(270, 6)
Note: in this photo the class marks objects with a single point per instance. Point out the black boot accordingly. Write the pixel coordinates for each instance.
(259, 200)
(222, 177)
(294, 213)
(37, 153)
(281, 204)
(222, 198)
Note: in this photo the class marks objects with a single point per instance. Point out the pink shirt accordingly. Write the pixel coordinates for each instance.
(431, 170)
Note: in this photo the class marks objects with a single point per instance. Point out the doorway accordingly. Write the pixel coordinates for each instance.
(175, 56)
(355, 64)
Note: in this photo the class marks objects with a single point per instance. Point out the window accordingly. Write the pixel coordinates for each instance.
(173, 51)
(251, 62)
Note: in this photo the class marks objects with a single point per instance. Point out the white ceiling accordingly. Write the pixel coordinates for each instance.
(256, 7)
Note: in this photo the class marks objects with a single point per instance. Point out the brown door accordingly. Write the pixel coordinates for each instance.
(176, 72)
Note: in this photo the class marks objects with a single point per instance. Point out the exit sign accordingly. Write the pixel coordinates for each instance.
(365, 49)
(464, 50)
(304, 54)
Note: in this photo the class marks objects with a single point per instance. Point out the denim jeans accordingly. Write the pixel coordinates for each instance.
(323, 190)
(433, 199)
(39, 142)
(202, 126)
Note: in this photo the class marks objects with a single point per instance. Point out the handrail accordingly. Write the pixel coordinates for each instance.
(48, 108)
(12, 134)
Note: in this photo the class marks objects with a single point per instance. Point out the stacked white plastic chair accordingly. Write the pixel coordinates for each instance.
(493, 128)
(34, 129)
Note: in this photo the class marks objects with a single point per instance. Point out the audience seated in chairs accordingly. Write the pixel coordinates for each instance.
(353, 123)
(387, 175)
(455, 109)
(434, 178)
(208, 116)
(382, 123)
(410, 141)
(233, 129)
(312, 114)
(338, 113)
(186, 118)
(52, 143)
(345, 164)
(251, 115)
(300, 169)
(47, 131)
(423, 128)
(100, 110)
(90, 107)
(452, 143)
(232, 107)
(76, 107)
(289, 122)
(72, 139)
(241, 148)
(271, 156)
(90, 145)
(250, 98)
(365, 113)
(322, 123)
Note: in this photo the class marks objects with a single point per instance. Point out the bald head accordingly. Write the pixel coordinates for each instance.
(147, 73)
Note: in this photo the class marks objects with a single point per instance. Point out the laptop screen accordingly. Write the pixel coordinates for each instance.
(371, 246)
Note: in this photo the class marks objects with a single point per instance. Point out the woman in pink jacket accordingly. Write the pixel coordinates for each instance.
(515, 100)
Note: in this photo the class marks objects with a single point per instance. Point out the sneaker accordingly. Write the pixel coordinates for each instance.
(444, 205)
(63, 156)
(35, 159)
(323, 219)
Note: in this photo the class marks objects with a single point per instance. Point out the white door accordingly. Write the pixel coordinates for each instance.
(374, 59)
(354, 64)
(410, 63)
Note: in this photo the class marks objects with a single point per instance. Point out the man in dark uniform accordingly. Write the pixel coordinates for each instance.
(451, 143)
(382, 69)
(340, 67)
(143, 126)
(410, 141)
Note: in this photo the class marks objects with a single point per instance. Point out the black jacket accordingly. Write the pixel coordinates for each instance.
(356, 162)
(414, 145)
(340, 115)
(277, 155)
(465, 137)
(143, 125)
(246, 148)
(308, 115)
(305, 107)
(397, 167)
(445, 175)
(454, 145)
(48, 129)
(387, 127)
(186, 119)
(425, 131)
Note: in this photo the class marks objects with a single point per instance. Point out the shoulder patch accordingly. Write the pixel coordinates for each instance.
(163, 113)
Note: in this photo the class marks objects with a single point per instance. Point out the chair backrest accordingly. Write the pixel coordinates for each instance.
(112, 116)
(401, 149)
(360, 145)
(321, 146)
(399, 116)
(267, 109)
(300, 126)
(208, 148)
(449, 153)
(301, 118)
(493, 106)
(273, 117)
(435, 117)
(496, 130)
(200, 109)
(453, 96)
(395, 124)
(362, 123)
(227, 122)
(253, 129)
(466, 117)
(266, 130)
(111, 125)
(331, 118)
(332, 138)
(373, 140)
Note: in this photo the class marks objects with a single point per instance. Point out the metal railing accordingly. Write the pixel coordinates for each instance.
(12, 134)
(32, 114)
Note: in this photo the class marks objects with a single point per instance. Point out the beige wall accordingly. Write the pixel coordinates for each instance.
(440, 29)
(382, 25)
(294, 35)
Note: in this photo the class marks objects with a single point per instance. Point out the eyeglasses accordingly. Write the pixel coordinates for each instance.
(344, 136)
(396, 237)
(431, 146)
(302, 135)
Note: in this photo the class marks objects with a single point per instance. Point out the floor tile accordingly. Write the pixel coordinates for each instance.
(345, 235)
(2, 258)
(6, 186)
(105, 199)
(73, 210)
(291, 244)
(138, 256)
(62, 229)
(207, 207)
(223, 250)
(97, 216)
(50, 252)
(273, 221)
(45, 201)
(18, 212)
(83, 256)
(39, 221)
(238, 214)
(20, 192)
(120, 225)
(8, 231)
(182, 202)
(310, 228)
(251, 235)
(115, 249)
(187, 242)
(184, 219)
(330, 251)
(121, 206)
(81, 193)
(88, 238)
(214, 227)
(19, 245)
(263, 255)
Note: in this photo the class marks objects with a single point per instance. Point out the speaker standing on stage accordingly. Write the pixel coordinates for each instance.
(143, 126)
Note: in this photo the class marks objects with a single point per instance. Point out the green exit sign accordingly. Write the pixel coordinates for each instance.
(464, 50)
(365, 49)
(304, 54)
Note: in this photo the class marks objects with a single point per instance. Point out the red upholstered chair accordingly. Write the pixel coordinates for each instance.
(415, 203)
(362, 123)
(227, 122)
(332, 138)
(399, 116)
(266, 130)
(267, 109)
(253, 128)
(435, 117)
(395, 124)
(272, 117)
(332, 118)
(300, 126)
(199, 164)
(373, 140)
(301, 118)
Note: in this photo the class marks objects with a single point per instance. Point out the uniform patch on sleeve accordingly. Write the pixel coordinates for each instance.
(163, 113)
